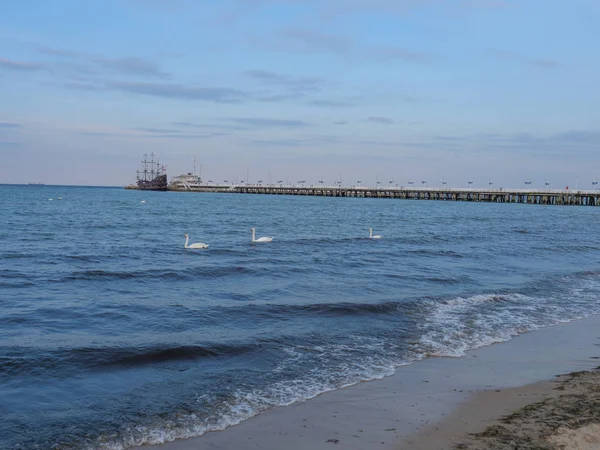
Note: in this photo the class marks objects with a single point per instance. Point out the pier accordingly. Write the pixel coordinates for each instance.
(499, 195)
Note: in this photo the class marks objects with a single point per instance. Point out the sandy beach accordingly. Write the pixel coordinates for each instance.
(438, 403)
(563, 414)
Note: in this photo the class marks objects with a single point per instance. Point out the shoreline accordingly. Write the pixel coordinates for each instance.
(403, 407)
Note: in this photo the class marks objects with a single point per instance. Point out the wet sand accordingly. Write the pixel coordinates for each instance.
(430, 404)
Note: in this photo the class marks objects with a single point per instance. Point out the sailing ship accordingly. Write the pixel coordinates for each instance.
(152, 176)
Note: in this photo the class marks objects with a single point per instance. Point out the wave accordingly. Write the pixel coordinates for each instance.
(85, 258)
(461, 324)
(18, 255)
(443, 326)
(19, 361)
(326, 240)
(185, 274)
(436, 253)
(227, 251)
(17, 284)
(328, 309)
(101, 274)
(443, 280)
(569, 248)
(448, 327)
(9, 273)
(586, 273)
(259, 268)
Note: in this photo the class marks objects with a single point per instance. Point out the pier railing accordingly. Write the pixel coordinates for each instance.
(492, 195)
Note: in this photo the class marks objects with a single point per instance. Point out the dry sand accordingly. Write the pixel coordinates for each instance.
(435, 403)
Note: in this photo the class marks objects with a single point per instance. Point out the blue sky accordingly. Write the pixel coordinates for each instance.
(488, 90)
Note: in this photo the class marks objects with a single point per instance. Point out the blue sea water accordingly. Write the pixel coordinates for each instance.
(113, 335)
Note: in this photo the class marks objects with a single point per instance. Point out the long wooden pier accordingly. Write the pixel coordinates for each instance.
(500, 195)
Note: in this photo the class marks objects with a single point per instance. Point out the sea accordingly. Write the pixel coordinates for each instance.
(113, 335)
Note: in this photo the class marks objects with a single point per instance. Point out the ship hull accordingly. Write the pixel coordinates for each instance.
(159, 183)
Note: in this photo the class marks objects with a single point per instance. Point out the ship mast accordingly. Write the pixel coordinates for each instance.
(145, 170)
(152, 166)
(145, 167)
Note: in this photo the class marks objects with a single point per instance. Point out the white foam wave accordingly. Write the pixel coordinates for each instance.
(461, 324)
(447, 328)
(244, 404)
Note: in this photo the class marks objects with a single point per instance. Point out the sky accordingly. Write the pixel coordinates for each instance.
(499, 91)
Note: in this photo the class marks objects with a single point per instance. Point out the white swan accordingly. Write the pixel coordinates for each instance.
(143, 201)
(196, 245)
(371, 236)
(262, 239)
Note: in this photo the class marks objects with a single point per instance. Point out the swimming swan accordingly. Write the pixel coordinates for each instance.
(371, 234)
(262, 239)
(196, 245)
